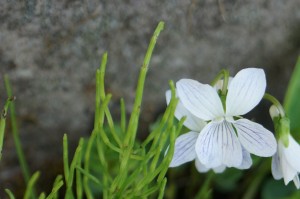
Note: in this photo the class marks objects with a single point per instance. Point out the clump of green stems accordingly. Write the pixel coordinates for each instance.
(140, 167)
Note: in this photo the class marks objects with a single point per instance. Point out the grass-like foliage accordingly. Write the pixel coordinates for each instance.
(111, 162)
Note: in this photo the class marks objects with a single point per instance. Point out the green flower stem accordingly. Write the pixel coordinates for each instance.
(274, 101)
(205, 191)
(3, 122)
(225, 75)
(16, 136)
(257, 179)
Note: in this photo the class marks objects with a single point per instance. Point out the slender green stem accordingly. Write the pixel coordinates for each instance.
(56, 188)
(131, 131)
(90, 176)
(123, 115)
(262, 171)
(133, 121)
(274, 101)
(66, 157)
(10, 194)
(58, 183)
(105, 177)
(16, 136)
(3, 122)
(30, 186)
(205, 191)
(87, 156)
(98, 123)
(225, 75)
(162, 189)
(112, 126)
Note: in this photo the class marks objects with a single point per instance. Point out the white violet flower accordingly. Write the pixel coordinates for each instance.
(222, 140)
(185, 144)
(285, 163)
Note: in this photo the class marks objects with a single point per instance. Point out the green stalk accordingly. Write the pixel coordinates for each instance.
(58, 183)
(275, 102)
(105, 173)
(90, 176)
(30, 186)
(133, 121)
(75, 162)
(205, 191)
(256, 181)
(98, 123)
(162, 189)
(55, 189)
(123, 116)
(225, 74)
(132, 126)
(66, 157)
(16, 137)
(3, 122)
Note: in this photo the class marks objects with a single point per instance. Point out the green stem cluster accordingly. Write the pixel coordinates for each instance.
(139, 169)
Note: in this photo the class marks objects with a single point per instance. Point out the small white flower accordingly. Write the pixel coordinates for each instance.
(286, 162)
(223, 138)
(185, 144)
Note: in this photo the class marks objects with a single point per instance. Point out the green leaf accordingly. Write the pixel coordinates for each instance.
(291, 100)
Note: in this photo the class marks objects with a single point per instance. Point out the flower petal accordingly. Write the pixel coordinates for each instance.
(289, 173)
(203, 169)
(184, 149)
(296, 181)
(247, 160)
(192, 122)
(255, 138)
(218, 145)
(292, 153)
(276, 167)
(202, 100)
(219, 169)
(245, 91)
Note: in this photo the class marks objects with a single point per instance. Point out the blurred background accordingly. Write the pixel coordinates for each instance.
(51, 49)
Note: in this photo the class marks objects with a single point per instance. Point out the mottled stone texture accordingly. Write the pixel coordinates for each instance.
(51, 49)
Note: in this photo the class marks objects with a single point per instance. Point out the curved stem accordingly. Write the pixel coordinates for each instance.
(225, 74)
(274, 101)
